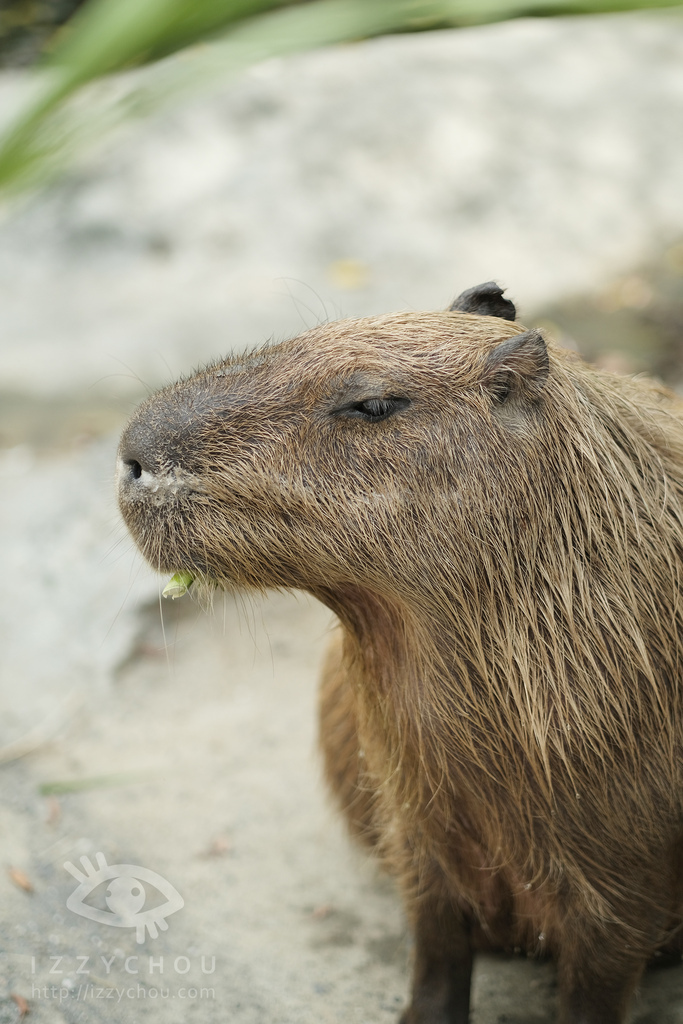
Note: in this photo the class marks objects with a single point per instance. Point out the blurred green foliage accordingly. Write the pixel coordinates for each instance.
(106, 36)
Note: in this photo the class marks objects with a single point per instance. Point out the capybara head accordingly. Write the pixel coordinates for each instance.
(336, 457)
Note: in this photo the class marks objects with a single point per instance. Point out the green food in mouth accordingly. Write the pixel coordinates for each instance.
(178, 585)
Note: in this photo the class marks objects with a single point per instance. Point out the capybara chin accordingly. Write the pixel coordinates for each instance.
(499, 529)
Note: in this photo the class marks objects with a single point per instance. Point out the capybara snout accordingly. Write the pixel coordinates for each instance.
(499, 529)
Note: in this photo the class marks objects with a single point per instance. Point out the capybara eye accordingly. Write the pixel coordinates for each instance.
(375, 409)
(501, 389)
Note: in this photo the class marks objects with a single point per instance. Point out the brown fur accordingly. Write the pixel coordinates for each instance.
(501, 712)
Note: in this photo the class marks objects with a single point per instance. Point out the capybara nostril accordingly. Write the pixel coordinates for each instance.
(135, 464)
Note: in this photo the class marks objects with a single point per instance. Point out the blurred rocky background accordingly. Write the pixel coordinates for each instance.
(376, 176)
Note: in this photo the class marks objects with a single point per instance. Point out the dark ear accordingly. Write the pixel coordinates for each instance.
(517, 368)
(486, 300)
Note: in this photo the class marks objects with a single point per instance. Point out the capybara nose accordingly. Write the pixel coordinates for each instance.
(155, 458)
(132, 476)
(132, 468)
(136, 455)
(159, 443)
(141, 459)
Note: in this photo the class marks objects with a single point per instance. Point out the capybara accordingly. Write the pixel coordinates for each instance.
(499, 529)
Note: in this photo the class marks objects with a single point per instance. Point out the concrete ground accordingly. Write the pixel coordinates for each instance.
(179, 741)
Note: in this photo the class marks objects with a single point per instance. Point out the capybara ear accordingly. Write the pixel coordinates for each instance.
(517, 366)
(486, 300)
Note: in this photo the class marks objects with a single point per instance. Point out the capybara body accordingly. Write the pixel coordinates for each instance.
(499, 529)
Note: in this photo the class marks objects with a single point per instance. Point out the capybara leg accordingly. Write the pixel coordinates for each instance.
(442, 970)
(595, 991)
(344, 760)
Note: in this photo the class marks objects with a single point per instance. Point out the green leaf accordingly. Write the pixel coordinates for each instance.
(178, 585)
(111, 34)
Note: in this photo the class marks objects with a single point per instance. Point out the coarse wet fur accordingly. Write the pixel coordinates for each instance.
(499, 529)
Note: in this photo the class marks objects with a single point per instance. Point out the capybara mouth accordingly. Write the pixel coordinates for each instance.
(157, 508)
